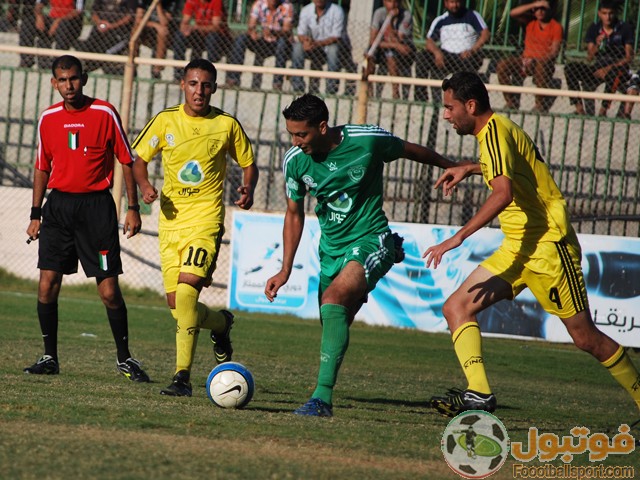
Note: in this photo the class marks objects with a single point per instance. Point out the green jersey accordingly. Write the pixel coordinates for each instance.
(346, 182)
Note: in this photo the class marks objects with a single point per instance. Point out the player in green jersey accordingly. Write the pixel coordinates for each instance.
(342, 168)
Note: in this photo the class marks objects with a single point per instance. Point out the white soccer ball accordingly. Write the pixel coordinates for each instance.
(230, 385)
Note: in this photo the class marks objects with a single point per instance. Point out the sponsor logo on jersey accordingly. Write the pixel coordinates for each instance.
(332, 166)
(191, 173)
(292, 185)
(356, 173)
(340, 202)
(213, 147)
(74, 125)
(153, 142)
(170, 139)
(309, 181)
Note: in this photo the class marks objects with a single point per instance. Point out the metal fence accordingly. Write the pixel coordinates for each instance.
(594, 159)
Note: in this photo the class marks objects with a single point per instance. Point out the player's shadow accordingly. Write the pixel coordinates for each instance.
(389, 401)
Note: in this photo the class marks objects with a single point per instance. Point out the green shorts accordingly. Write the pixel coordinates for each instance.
(376, 254)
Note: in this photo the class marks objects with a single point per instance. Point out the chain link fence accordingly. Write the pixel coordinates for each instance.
(595, 159)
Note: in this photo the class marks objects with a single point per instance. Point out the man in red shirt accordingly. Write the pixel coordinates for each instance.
(203, 26)
(542, 41)
(62, 26)
(78, 139)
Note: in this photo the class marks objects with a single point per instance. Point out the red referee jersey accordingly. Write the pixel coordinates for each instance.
(77, 147)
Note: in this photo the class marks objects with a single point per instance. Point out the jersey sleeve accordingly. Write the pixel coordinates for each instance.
(295, 188)
(151, 140)
(43, 155)
(387, 145)
(497, 149)
(240, 147)
(121, 143)
(592, 33)
(478, 22)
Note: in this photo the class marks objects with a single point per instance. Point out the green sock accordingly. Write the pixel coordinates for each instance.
(335, 340)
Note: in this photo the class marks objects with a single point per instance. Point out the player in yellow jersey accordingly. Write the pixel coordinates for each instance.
(540, 249)
(195, 139)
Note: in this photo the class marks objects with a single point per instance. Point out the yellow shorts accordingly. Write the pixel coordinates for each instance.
(552, 272)
(189, 250)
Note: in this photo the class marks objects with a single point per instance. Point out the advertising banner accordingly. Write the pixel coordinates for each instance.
(411, 295)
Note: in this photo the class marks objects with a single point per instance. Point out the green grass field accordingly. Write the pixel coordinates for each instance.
(90, 422)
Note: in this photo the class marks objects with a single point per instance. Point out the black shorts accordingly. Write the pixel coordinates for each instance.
(80, 226)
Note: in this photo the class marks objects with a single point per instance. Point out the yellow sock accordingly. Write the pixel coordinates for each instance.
(211, 319)
(621, 368)
(187, 330)
(467, 344)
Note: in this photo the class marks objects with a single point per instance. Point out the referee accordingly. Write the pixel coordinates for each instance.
(77, 141)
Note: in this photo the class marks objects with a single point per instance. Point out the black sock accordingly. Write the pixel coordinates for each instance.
(48, 317)
(120, 329)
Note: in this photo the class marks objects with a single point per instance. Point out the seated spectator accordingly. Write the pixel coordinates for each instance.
(462, 33)
(633, 88)
(542, 42)
(159, 29)
(112, 22)
(322, 38)
(9, 19)
(396, 50)
(609, 53)
(59, 28)
(203, 26)
(268, 33)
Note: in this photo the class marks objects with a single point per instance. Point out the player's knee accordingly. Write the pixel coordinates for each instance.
(452, 310)
(586, 340)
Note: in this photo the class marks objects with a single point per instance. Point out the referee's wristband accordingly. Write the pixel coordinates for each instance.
(135, 208)
(36, 213)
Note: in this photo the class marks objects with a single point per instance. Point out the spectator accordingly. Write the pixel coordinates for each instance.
(112, 20)
(542, 41)
(322, 35)
(396, 49)
(633, 88)
(203, 26)
(268, 34)
(158, 30)
(9, 19)
(62, 26)
(609, 53)
(462, 33)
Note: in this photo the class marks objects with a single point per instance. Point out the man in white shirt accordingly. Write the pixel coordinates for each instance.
(322, 37)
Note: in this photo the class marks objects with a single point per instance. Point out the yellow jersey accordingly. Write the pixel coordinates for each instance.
(538, 211)
(194, 160)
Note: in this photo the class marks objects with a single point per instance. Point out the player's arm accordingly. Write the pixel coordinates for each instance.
(132, 222)
(421, 154)
(454, 175)
(250, 176)
(501, 196)
(40, 181)
(291, 235)
(141, 177)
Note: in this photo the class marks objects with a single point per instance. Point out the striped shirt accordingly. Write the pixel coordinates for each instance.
(538, 210)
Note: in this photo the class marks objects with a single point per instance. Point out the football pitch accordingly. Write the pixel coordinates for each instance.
(90, 422)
